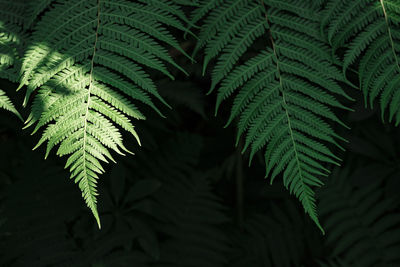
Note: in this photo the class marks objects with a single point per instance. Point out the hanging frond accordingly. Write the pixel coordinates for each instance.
(285, 92)
(87, 62)
(369, 31)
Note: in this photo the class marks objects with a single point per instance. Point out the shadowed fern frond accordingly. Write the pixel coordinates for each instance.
(369, 31)
(88, 60)
(284, 91)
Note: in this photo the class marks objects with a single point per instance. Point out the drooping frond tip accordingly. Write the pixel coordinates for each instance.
(89, 67)
(6, 104)
(284, 93)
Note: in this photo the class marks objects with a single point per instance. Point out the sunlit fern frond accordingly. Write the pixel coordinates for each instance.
(89, 59)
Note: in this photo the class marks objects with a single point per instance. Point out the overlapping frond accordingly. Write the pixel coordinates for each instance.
(10, 44)
(369, 31)
(89, 59)
(284, 93)
(361, 223)
(6, 104)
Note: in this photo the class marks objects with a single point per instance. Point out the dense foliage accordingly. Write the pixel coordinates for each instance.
(299, 80)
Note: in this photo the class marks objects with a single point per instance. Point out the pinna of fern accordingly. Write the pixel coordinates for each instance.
(369, 31)
(87, 59)
(10, 44)
(284, 93)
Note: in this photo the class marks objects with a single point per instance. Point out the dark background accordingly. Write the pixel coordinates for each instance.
(188, 197)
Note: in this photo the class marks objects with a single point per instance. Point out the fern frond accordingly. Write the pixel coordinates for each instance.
(361, 224)
(370, 30)
(284, 93)
(10, 41)
(6, 104)
(88, 61)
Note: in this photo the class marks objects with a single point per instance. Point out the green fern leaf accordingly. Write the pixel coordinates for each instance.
(284, 92)
(87, 61)
(6, 104)
(370, 31)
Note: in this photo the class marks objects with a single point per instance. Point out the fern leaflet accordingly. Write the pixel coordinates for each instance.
(370, 32)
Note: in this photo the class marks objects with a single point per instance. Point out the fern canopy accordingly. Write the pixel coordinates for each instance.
(284, 92)
(87, 61)
(369, 31)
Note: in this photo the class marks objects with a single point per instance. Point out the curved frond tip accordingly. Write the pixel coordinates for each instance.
(88, 62)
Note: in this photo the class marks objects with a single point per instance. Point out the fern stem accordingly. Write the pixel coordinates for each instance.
(285, 105)
(91, 196)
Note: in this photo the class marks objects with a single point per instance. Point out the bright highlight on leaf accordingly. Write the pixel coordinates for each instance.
(87, 61)
(369, 31)
(6, 104)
